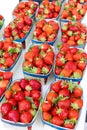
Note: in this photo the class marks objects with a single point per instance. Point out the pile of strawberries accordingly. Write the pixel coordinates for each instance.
(63, 103)
(39, 59)
(18, 28)
(25, 9)
(9, 52)
(22, 101)
(73, 11)
(70, 62)
(74, 34)
(46, 31)
(48, 10)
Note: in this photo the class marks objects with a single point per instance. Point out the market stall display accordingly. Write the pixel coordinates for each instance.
(57, 22)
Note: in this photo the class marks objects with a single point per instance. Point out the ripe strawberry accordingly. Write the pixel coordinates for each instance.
(77, 92)
(13, 115)
(5, 108)
(46, 106)
(64, 92)
(38, 62)
(26, 117)
(35, 84)
(62, 113)
(46, 116)
(57, 121)
(69, 124)
(35, 94)
(19, 96)
(23, 83)
(56, 86)
(64, 103)
(77, 104)
(73, 114)
(51, 96)
(24, 105)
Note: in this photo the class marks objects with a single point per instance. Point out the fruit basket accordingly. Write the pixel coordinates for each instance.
(38, 61)
(48, 10)
(5, 81)
(22, 101)
(10, 53)
(73, 34)
(46, 31)
(70, 63)
(25, 8)
(73, 12)
(19, 29)
(62, 105)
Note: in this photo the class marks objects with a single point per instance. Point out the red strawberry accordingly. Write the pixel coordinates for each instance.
(56, 86)
(77, 92)
(19, 96)
(13, 115)
(35, 84)
(57, 121)
(38, 62)
(64, 92)
(23, 83)
(35, 94)
(24, 105)
(7, 75)
(64, 103)
(5, 108)
(46, 106)
(26, 117)
(73, 114)
(62, 113)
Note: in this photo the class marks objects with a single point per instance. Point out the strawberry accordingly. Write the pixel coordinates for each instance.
(9, 62)
(26, 117)
(23, 83)
(64, 103)
(51, 96)
(5, 108)
(60, 61)
(46, 106)
(69, 124)
(8, 94)
(55, 86)
(64, 92)
(46, 116)
(77, 104)
(81, 65)
(77, 92)
(38, 62)
(13, 115)
(24, 105)
(19, 96)
(35, 94)
(73, 114)
(57, 121)
(62, 113)
(35, 84)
